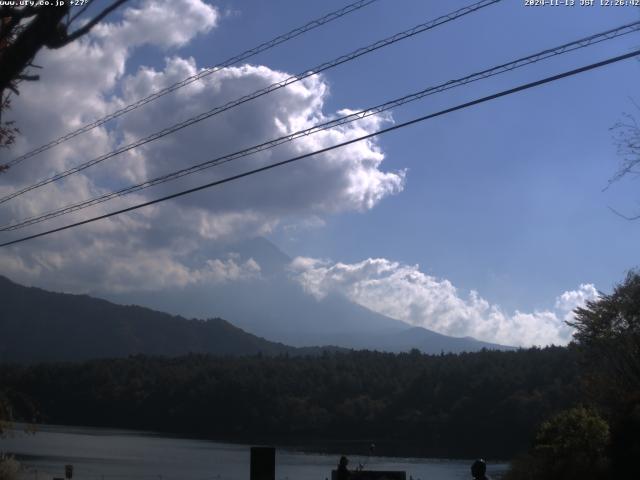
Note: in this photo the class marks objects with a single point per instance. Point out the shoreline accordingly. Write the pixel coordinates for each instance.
(390, 449)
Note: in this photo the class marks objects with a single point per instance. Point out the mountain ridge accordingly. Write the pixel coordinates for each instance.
(280, 310)
(39, 325)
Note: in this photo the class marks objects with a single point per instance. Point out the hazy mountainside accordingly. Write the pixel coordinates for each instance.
(276, 307)
(38, 325)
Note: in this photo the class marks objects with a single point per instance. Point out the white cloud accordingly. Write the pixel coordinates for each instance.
(166, 24)
(78, 82)
(569, 301)
(346, 179)
(405, 293)
(158, 246)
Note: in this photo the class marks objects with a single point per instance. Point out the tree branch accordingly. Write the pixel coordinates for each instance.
(66, 39)
(80, 12)
(20, 52)
(636, 217)
(28, 78)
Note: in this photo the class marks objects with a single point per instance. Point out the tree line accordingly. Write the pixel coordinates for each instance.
(485, 403)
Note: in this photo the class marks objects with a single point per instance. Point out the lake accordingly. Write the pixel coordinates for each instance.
(104, 454)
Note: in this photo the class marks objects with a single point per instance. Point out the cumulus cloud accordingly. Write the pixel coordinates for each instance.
(91, 77)
(155, 23)
(569, 301)
(79, 82)
(346, 179)
(405, 293)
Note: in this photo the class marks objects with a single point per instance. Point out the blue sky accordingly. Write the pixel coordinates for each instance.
(501, 205)
(505, 197)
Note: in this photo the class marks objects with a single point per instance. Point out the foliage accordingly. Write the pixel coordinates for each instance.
(611, 316)
(8, 131)
(468, 405)
(9, 468)
(571, 444)
(14, 403)
(608, 333)
(579, 443)
(575, 438)
(5, 414)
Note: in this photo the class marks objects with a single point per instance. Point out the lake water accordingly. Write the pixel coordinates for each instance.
(102, 454)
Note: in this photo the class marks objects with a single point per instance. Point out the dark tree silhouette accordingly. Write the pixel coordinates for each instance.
(608, 330)
(608, 333)
(5, 413)
(603, 440)
(571, 444)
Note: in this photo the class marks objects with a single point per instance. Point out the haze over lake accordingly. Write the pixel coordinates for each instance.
(120, 454)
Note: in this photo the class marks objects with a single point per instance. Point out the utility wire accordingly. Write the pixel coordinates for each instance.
(500, 69)
(462, 106)
(259, 93)
(198, 76)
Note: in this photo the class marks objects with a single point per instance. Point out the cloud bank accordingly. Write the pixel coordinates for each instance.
(405, 293)
(167, 246)
(163, 245)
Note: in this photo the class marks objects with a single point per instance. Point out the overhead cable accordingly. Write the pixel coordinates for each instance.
(198, 76)
(490, 72)
(259, 93)
(462, 106)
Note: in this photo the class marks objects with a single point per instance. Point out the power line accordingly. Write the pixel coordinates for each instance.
(259, 93)
(506, 67)
(494, 96)
(198, 76)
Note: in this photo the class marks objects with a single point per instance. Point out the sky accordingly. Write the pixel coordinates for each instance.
(490, 222)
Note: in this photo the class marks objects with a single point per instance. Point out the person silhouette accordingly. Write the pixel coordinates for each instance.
(343, 472)
(479, 469)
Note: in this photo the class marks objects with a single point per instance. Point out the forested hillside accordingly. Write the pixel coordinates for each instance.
(477, 404)
(38, 325)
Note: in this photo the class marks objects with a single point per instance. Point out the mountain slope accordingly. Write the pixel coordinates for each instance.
(276, 307)
(38, 325)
